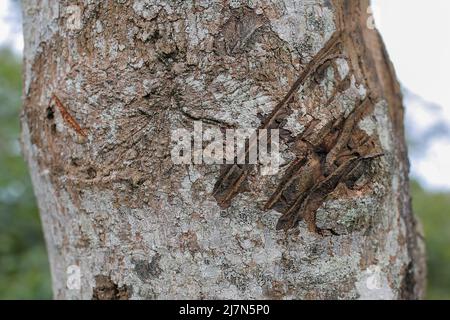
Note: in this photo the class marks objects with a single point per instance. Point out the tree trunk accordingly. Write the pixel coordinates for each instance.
(105, 85)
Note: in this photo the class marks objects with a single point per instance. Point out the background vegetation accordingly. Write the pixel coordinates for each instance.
(24, 270)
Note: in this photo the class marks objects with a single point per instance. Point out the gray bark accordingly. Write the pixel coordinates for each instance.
(101, 98)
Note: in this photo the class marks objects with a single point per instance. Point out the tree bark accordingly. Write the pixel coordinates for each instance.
(102, 95)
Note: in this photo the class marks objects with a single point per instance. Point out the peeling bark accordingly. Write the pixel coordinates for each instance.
(101, 99)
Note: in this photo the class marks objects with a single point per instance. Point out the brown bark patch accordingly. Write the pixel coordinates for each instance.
(106, 289)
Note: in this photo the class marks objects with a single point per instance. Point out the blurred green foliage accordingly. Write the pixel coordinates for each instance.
(433, 210)
(24, 270)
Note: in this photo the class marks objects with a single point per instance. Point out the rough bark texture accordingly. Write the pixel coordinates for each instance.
(99, 106)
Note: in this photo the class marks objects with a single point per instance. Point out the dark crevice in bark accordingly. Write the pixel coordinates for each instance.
(106, 289)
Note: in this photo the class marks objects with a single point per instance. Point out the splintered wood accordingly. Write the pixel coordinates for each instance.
(67, 117)
(326, 156)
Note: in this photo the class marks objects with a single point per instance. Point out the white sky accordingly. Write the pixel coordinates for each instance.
(417, 35)
(10, 31)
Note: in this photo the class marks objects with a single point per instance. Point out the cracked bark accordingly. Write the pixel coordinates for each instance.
(100, 102)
